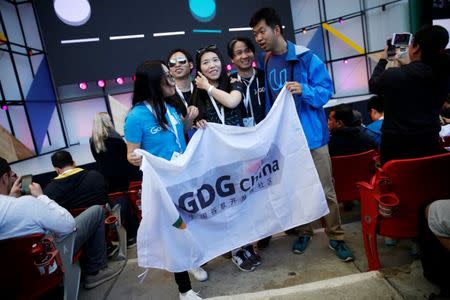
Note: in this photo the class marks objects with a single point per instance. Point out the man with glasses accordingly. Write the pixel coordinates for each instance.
(180, 66)
(306, 77)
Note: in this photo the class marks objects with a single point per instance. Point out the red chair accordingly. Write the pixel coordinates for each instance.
(348, 170)
(134, 197)
(19, 277)
(411, 183)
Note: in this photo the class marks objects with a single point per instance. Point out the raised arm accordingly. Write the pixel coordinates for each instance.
(230, 100)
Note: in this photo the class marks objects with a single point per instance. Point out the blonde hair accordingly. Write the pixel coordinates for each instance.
(101, 128)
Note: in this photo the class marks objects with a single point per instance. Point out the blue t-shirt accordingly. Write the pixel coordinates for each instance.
(141, 126)
(279, 72)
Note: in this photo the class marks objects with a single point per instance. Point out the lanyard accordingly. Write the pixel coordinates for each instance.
(248, 99)
(172, 120)
(180, 93)
(221, 112)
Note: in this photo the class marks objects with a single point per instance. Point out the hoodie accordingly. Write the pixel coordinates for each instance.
(413, 98)
(78, 188)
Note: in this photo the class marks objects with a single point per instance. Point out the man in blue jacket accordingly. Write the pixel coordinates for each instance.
(306, 77)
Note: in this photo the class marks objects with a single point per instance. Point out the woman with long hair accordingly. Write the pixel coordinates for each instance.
(413, 94)
(215, 95)
(110, 153)
(155, 126)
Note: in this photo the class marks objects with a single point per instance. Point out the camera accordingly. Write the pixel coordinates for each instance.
(399, 41)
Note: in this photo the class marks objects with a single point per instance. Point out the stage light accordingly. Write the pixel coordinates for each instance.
(120, 80)
(345, 61)
(229, 67)
(254, 64)
(341, 21)
(304, 31)
(101, 83)
(30, 52)
(83, 85)
(4, 107)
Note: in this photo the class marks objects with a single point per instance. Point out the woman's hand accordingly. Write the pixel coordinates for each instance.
(202, 82)
(192, 112)
(133, 158)
(201, 124)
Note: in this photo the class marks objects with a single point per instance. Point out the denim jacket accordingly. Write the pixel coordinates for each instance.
(317, 89)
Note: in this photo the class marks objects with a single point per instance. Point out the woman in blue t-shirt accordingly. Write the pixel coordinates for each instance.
(155, 126)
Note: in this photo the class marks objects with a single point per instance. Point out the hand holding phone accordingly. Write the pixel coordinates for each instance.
(390, 49)
(26, 181)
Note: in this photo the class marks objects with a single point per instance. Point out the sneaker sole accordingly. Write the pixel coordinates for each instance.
(200, 280)
(97, 283)
(345, 259)
(242, 269)
(298, 251)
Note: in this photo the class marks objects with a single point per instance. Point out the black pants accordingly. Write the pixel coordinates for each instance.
(395, 146)
(435, 258)
(183, 281)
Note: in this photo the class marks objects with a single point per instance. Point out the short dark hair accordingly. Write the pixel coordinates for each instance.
(376, 102)
(184, 51)
(269, 15)
(243, 39)
(4, 166)
(61, 159)
(344, 113)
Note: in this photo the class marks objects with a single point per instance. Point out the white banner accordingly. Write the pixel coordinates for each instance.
(232, 186)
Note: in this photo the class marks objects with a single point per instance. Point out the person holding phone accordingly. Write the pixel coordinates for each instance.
(37, 213)
(413, 94)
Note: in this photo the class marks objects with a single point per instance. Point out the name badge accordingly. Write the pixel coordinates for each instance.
(248, 122)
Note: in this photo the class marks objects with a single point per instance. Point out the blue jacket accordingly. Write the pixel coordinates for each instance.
(317, 89)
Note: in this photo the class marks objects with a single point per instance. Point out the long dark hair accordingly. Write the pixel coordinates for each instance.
(432, 41)
(200, 97)
(147, 87)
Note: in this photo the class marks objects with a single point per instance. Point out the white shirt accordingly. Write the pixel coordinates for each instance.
(27, 215)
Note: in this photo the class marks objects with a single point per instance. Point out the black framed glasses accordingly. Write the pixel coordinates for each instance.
(174, 61)
(211, 47)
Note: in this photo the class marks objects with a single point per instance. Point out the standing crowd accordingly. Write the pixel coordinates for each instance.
(168, 104)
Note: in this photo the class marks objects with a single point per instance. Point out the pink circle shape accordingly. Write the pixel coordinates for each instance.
(120, 80)
(101, 83)
(83, 85)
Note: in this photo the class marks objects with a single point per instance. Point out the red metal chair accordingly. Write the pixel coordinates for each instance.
(411, 183)
(19, 277)
(348, 170)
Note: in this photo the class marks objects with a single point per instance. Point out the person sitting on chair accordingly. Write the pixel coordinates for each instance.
(37, 213)
(346, 136)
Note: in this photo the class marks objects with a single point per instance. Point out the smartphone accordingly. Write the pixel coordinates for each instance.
(402, 40)
(26, 181)
(390, 49)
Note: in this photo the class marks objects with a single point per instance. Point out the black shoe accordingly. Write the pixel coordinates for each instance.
(111, 250)
(254, 257)
(131, 243)
(242, 262)
(264, 243)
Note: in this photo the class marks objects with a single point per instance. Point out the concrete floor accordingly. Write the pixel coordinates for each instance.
(401, 278)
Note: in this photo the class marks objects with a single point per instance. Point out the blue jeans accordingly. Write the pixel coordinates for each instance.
(91, 235)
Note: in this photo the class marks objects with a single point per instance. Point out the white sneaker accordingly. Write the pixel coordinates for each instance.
(190, 295)
(199, 274)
